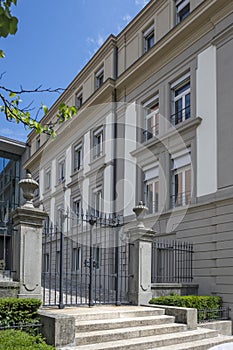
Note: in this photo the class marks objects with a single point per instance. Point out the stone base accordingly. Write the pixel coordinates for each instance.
(57, 329)
(30, 295)
(139, 298)
(9, 289)
(163, 289)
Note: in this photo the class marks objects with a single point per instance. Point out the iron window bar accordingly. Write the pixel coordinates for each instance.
(181, 115)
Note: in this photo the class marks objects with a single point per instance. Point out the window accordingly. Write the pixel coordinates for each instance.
(77, 208)
(79, 100)
(37, 191)
(46, 262)
(96, 257)
(151, 189)
(61, 171)
(58, 260)
(181, 180)
(99, 78)
(78, 157)
(98, 142)
(76, 258)
(151, 110)
(97, 205)
(48, 179)
(182, 10)
(181, 100)
(149, 39)
(37, 143)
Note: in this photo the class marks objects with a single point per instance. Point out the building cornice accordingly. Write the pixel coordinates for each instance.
(173, 132)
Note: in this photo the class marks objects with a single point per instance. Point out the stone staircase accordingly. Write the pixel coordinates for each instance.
(139, 328)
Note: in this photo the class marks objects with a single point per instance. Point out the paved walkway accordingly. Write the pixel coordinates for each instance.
(78, 310)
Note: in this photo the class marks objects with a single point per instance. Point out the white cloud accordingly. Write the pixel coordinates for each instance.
(94, 44)
(127, 18)
(141, 3)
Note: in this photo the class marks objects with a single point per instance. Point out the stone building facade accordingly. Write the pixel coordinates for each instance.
(154, 124)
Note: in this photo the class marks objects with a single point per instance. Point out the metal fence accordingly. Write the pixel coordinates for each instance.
(86, 262)
(172, 261)
(209, 315)
(30, 328)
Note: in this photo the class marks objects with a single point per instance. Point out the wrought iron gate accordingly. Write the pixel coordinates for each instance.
(85, 263)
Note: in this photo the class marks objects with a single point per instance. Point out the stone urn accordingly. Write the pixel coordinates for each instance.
(140, 211)
(28, 186)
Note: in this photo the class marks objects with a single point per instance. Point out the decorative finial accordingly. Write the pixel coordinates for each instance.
(140, 211)
(28, 186)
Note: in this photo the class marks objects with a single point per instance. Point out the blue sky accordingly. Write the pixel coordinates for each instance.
(54, 41)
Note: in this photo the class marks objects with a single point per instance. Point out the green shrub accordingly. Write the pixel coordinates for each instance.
(192, 301)
(19, 340)
(18, 311)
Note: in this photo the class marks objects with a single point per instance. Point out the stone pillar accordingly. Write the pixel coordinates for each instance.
(140, 253)
(27, 245)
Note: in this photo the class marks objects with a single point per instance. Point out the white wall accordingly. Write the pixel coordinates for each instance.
(207, 132)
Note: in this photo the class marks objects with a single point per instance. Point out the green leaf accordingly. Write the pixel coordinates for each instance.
(2, 54)
(12, 94)
(13, 25)
(45, 109)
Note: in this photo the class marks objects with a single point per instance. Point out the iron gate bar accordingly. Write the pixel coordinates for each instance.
(101, 258)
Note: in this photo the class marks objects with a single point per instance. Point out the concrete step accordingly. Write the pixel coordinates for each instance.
(150, 342)
(204, 344)
(98, 325)
(110, 314)
(127, 333)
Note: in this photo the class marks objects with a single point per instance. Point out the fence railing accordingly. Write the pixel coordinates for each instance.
(172, 261)
(31, 328)
(209, 315)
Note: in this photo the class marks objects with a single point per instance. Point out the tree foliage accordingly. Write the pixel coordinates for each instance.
(12, 101)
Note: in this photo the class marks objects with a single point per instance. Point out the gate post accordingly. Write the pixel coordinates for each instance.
(140, 254)
(27, 246)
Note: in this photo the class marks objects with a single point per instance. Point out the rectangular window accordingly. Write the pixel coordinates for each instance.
(97, 194)
(37, 143)
(58, 257)
(78, 157)
(151, 189)
(149, 39)
(96, 257)
(181, 180)
(48, 179)
(37, 191)
(98, 142)
(77, 208)
(79, 100)
(182, 10)
(46, 262)
(61, 171)
(76, 259)
(99, 78)
(151, 112)
(181, 100)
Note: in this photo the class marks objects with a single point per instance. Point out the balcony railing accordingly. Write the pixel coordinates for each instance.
(180, 199)
(181, 115)
(172, 262)
(148, 134)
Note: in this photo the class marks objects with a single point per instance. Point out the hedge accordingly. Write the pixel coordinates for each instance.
(19, 340)
(192, 301)
(15, 311)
